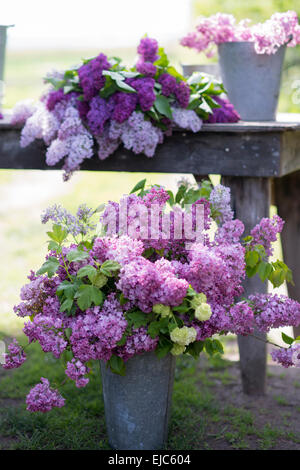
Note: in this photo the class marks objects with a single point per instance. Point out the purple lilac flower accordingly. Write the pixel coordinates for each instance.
(146, 68)
(22, 111)
(90, 76)
(43, 398)
(100, 111)
(15, 357)
(168, 84)
(148, 49)
(186, 119)
(41, 125)
(226, 113)
(182, 93)
(145, 91)
(220, 200)
(55, 97)
(124, 105)
(137, 134)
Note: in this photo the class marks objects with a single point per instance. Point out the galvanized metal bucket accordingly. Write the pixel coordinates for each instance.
(252, 80)
(3, 37)
(137, 405)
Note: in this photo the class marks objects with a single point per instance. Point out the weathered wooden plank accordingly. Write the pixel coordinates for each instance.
(287, 199)
(202, 153)
(251, 202)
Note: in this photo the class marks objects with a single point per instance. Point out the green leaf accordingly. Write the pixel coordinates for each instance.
(77, 255)
(86, 295)
(88, 271)
(154, 329)
(251, 271)
(125, 87)
(138, 186)
(50, 267)
(195, 348)
(287, 339)
(180, 193)
(163, 348)
(138, 318)
(217, 346)
(66, 305)
(171, 200)
(163, 60)
(58, 234)
(110, 267)
(251, 258)
(264, 270)
(53, 246)
(67, 289)
(117, 365)
(163, 106)
(277, 277)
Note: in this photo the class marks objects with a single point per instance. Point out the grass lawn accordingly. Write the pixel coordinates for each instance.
(209, 410)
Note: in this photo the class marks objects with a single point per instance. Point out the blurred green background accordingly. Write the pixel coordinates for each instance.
(24, 195)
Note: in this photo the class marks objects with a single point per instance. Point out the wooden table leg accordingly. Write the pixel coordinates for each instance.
(251, 202)
(287, 199)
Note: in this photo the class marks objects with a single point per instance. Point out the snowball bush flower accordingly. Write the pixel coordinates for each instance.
(128, 292)
(281, 29)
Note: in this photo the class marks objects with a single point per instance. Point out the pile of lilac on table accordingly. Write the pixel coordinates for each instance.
(152, 277)
(102, 104)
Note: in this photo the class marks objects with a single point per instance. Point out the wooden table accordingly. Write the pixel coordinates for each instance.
(251, 157)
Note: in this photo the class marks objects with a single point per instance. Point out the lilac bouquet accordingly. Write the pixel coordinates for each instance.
(281, 29)
(104, 103)
(153, 279)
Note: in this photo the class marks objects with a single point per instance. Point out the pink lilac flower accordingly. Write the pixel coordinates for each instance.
(43, 398)
(148, 283)
(48, 332)
(280, 29)
(287, 357)
(15, 357)
(138, 343)
(230, 232)
(274, 311)
(265, 232)
(76, 371)
(96, 333)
